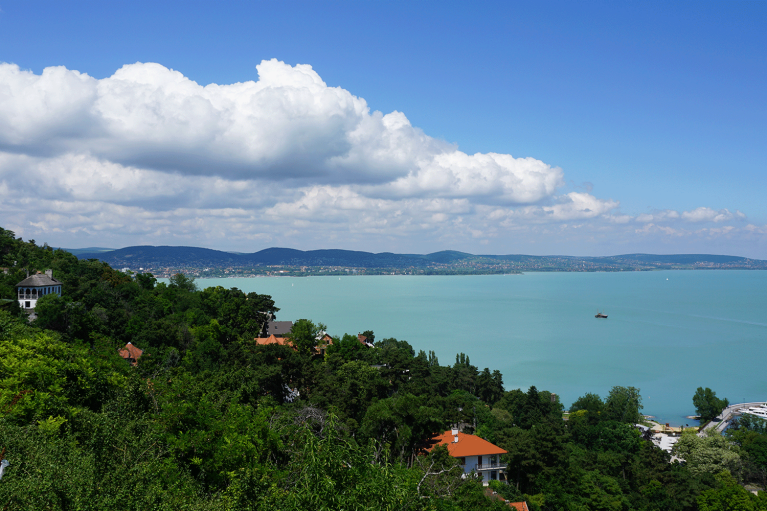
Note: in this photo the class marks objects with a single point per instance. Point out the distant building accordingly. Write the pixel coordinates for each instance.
(475, 454)
(35, 287)
(364, 341)
(322, 345)
(277, 328)
(320, 349)
(273, 339)
(131, 353)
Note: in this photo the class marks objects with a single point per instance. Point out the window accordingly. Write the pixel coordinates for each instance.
(462, 460)
(493, 475)
(27, 305)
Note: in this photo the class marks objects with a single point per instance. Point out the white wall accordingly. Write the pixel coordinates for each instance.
(32, 299)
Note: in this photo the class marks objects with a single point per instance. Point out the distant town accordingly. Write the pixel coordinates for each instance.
(207, 263)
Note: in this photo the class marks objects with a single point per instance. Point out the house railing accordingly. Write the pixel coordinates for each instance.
(491, 466)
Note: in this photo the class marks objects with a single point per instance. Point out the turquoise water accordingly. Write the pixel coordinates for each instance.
(668, 332)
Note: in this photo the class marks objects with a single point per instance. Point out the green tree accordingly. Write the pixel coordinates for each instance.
(304, 335)
(181, 281)
(592, 403)
(707, 405)
(348, 348)
(750, 433)
(623, 404)
(399, 424)
(42, 376)
(51, 312)
(600, 492)
(710, 454)
(730, 496)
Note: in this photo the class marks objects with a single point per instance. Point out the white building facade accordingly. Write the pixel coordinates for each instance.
(35, 287)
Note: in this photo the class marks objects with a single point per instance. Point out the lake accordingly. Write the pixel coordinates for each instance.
(668, 332)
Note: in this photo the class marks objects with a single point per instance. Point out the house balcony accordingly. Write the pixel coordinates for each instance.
(490, 466)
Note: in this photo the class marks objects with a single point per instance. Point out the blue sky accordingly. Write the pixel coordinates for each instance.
(643, 122)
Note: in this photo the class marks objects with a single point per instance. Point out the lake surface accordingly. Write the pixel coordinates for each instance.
(668, 332)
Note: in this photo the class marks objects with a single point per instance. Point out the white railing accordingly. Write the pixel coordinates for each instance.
(499, 465)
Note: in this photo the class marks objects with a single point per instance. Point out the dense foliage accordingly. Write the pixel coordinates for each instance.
(208, 419)
(707, 405)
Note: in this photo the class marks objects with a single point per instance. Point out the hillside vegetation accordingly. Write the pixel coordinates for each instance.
(210, 420)
(164, 261)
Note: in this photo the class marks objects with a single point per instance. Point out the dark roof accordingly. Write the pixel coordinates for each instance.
(38, 280)
(279, 328)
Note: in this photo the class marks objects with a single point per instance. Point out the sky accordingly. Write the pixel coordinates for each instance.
(575, 128)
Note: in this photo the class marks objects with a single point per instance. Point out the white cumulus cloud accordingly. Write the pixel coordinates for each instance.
(149, 156)
(287, 125)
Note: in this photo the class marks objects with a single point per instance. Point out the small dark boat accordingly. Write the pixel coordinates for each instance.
(601, 316)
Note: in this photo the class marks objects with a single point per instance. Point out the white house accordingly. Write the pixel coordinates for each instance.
(35, 287)
(474, 453)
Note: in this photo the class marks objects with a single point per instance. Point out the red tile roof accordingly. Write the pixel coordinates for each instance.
(131, 353)
(467, 445)
(273, 339)
(364, 341)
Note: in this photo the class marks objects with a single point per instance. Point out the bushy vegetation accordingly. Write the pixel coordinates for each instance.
(210, 420)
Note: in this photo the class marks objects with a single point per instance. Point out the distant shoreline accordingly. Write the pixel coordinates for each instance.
(203, 262)
(210, 274)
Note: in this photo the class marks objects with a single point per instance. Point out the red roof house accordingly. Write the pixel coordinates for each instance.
(364, 341)
(475, 454)
(273, 339)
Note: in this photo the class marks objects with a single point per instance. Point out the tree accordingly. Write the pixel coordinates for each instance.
(623, 404)
(145, 280)
(589, 402)
(42, 376)
(183, 282)
(51, 312)
(304, 335)
(731, 496)
(710, 454)
(489, 386)
(707, 405)
(399, 423)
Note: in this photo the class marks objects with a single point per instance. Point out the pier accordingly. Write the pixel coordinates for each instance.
(723, 419)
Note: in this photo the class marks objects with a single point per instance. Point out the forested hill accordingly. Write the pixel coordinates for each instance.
(150, 256)
(209, 419)
(194, 257)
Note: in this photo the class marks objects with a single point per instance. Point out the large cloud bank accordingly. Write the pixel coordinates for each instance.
(148, 155)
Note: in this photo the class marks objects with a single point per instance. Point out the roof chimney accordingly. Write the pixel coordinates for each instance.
(49, 273)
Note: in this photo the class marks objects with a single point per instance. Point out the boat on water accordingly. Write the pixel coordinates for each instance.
(599, 315)
(759, 411)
